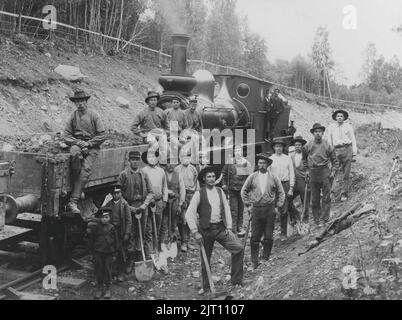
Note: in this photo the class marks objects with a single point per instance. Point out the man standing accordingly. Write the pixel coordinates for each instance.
(177, 196)
(194, 119)
(317, 157)
(300, 174)
(138, 193)
(150, 118)
(121, 219)
(189, 174)
(234, 176)
(84, 133)
(341, 137)
(158, 185)
(210, 206)
(282, 167)
(263, 190)
(275, 107)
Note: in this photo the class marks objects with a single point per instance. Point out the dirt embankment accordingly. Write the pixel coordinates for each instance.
(34, 99)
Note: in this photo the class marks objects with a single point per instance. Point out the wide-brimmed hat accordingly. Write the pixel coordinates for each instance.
(345, 114)
(317, 126)
(206, 170)
(144, 156)
(278, 141)
(79, 95)
(298, 139)
(152, 94)
(134, 155)
(264, 156)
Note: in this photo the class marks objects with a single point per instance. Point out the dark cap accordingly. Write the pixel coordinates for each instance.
(134, 155)
(116, 187)
(104, 211)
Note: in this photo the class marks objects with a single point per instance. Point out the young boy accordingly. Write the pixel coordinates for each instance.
(122, 221)
(103, 241)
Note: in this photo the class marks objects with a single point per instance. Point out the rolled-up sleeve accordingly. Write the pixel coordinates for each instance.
(280, 193)
(228, 214)
(191, 213)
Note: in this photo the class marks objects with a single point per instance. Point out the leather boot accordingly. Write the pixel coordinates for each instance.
(98, 293)
(254, 246)
(108, 293)
(72, 205)
(267, 244)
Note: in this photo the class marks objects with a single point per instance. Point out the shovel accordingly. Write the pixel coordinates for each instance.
(302, 227)
(159, 261)
(169, 250)
(144, 270)
(214, 293)
(395, 162)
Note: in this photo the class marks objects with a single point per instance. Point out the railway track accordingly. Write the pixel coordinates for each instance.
(12, 288)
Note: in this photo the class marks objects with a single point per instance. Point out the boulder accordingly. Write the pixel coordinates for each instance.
(70, 73)
(123, 102)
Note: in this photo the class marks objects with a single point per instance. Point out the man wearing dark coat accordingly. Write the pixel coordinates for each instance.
(137, 192)
(84, 133)
(121, 219)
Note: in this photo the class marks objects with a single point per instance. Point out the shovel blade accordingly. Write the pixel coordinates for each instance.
(144, 270)
(169, 250)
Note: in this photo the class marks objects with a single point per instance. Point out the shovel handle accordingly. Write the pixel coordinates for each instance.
(204, 255)
(141, 241)
(155, 232)
(247, 231)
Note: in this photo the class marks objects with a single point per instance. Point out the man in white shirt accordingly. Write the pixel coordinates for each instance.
(210, 207)
(263, 190)
(342, 138)
(157, 180)
(282, 167)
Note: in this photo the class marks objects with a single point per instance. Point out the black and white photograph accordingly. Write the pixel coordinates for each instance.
(197, 156)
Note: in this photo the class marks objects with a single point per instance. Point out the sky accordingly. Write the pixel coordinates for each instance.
(289, 26)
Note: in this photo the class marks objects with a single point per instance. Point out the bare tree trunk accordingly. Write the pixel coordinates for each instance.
(120, 26)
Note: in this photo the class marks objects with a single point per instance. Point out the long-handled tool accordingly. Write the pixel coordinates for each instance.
(395, 162)
(144, 270)
(247, 229)
(302, 227)
(159, 261)
(214, 293)
(169, 249)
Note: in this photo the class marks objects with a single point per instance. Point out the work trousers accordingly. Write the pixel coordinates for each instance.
(237, 209)
(217, 232)
(151, 244)
(103, 268)
(81, 169)
(319, 181)
(262, 224)
(173, 212)
(181, 222)
(342, 182)
(284, 209)
(299, 190)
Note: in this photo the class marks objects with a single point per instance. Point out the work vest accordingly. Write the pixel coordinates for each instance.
(174, 184)
(204, 208)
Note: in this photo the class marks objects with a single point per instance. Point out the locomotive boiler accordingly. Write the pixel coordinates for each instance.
(225, 101)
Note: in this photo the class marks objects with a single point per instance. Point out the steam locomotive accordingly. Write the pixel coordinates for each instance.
(35, 188)
(225, 101)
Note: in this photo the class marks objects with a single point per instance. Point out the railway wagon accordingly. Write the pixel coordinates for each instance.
(34, 192)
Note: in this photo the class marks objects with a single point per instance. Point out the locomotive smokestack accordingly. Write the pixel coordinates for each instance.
(179, 54)
(178, 80)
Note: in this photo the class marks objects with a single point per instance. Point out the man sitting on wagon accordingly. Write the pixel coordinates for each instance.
(84, 133)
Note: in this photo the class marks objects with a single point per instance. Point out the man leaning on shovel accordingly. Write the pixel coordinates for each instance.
(211, 207)
(137, 192)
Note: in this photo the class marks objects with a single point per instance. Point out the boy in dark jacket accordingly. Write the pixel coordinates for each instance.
(122, 221)
(103, 241)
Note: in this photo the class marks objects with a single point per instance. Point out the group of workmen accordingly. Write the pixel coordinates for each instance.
(158, 198)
